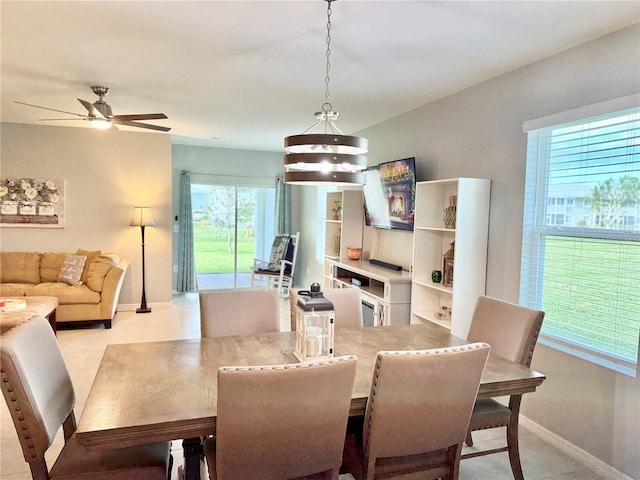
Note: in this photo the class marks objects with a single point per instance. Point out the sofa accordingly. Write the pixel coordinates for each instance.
(86, 283)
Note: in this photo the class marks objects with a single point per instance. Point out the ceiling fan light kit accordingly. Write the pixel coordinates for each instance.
(330, 157)
(99, 114)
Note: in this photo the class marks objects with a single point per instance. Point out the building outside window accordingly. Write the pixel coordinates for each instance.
(581, 235)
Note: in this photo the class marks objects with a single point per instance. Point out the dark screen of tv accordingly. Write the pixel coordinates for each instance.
(389, 194)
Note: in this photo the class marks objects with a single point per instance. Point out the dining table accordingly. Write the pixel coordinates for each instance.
(163, 391)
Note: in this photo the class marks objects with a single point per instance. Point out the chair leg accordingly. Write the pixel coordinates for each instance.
(469, 439)
(512, 437)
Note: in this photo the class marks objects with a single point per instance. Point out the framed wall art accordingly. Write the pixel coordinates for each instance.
(31, 202)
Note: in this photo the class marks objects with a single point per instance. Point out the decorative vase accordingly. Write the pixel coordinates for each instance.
(336, 243)
(449, 218)
(27, 208)
(45, 208)
(436, 276)
(9, 207)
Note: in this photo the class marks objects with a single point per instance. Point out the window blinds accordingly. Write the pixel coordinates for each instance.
(581, 236)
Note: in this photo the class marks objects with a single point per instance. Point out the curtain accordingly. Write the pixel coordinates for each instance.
(283, 206)
(187, 280)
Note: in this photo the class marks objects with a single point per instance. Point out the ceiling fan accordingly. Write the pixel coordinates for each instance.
(100, 116)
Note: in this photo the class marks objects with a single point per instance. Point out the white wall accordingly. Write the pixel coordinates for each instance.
(106, 174)
(478, 133)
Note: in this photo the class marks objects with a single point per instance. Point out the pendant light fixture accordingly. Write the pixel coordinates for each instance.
(329, 157)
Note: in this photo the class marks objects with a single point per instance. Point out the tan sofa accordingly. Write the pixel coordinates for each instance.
(94, 298)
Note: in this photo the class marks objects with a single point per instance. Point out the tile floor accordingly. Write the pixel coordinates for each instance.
(83, 348)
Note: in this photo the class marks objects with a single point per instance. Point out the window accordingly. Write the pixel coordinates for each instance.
(585, 275)
(233, 224)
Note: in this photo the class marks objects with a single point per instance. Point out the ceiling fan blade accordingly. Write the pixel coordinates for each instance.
(141, 125)
(93, 111)
(51, 109)
(141, 116)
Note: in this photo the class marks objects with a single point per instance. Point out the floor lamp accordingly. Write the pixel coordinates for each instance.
(142, 218)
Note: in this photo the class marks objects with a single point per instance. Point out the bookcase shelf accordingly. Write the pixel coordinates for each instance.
(432, 239)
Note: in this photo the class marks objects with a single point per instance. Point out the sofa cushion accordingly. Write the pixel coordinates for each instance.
(14, 289)
(50, 265)
(71, 269)
(20, 267)
(99, 269)
(91, 256)
(66, 294)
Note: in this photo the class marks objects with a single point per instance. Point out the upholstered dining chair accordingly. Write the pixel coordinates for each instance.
(282, 421)
(239, 312)
(347, 303)
(512, 331)
(417, 413)
(40, 396)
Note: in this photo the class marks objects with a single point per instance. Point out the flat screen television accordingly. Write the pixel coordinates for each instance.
(389, 194)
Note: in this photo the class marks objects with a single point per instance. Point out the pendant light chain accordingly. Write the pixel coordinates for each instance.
(327, 106)
(329, 158)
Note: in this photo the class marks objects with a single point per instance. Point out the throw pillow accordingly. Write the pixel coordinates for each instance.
(99, 270)
(72, 269)
(278, 250)
(91, 256)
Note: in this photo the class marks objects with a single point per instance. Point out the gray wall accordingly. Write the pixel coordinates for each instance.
(478, 133)
(106, 174)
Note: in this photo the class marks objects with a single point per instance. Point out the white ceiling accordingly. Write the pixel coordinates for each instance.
(251, 73)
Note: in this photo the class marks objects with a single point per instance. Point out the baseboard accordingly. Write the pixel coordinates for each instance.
(592, 462)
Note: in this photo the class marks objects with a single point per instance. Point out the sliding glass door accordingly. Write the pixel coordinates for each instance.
(233, 224)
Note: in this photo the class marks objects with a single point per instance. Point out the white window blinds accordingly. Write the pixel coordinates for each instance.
(581, 237)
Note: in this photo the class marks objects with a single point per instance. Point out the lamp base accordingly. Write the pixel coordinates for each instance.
(143, 310)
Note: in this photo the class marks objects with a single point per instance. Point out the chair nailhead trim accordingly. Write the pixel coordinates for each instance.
(288, 366)
(21, 418)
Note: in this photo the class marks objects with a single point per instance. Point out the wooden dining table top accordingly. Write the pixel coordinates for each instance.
(162, 391)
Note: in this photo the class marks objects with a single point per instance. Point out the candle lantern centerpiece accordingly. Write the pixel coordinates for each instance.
(314, 325)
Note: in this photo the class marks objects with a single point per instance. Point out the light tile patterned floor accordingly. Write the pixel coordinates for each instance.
(82, 350)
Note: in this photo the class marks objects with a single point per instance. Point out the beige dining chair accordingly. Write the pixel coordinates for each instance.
(239, 312)
(417, 413)
(512, 331)
(347, 304)
(281, 421)
(39, 394)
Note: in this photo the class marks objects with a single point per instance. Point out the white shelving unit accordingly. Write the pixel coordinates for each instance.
(349, 224)
(432, 240)
(388, 292)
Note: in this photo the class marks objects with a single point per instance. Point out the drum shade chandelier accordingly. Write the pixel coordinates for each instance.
(330, 157)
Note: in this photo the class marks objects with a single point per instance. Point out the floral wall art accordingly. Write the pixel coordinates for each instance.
(31, 202)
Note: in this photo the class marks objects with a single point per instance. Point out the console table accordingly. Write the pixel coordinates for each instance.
(387, 291)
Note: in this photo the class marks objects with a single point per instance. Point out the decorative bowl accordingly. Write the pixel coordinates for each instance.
(354, 253)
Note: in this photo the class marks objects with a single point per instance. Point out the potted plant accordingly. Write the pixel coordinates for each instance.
(336, 209)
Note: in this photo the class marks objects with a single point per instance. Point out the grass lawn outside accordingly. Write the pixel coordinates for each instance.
(214, 253)
(591, 293)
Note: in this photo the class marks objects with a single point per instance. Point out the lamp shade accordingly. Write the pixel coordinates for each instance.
(142, 217)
